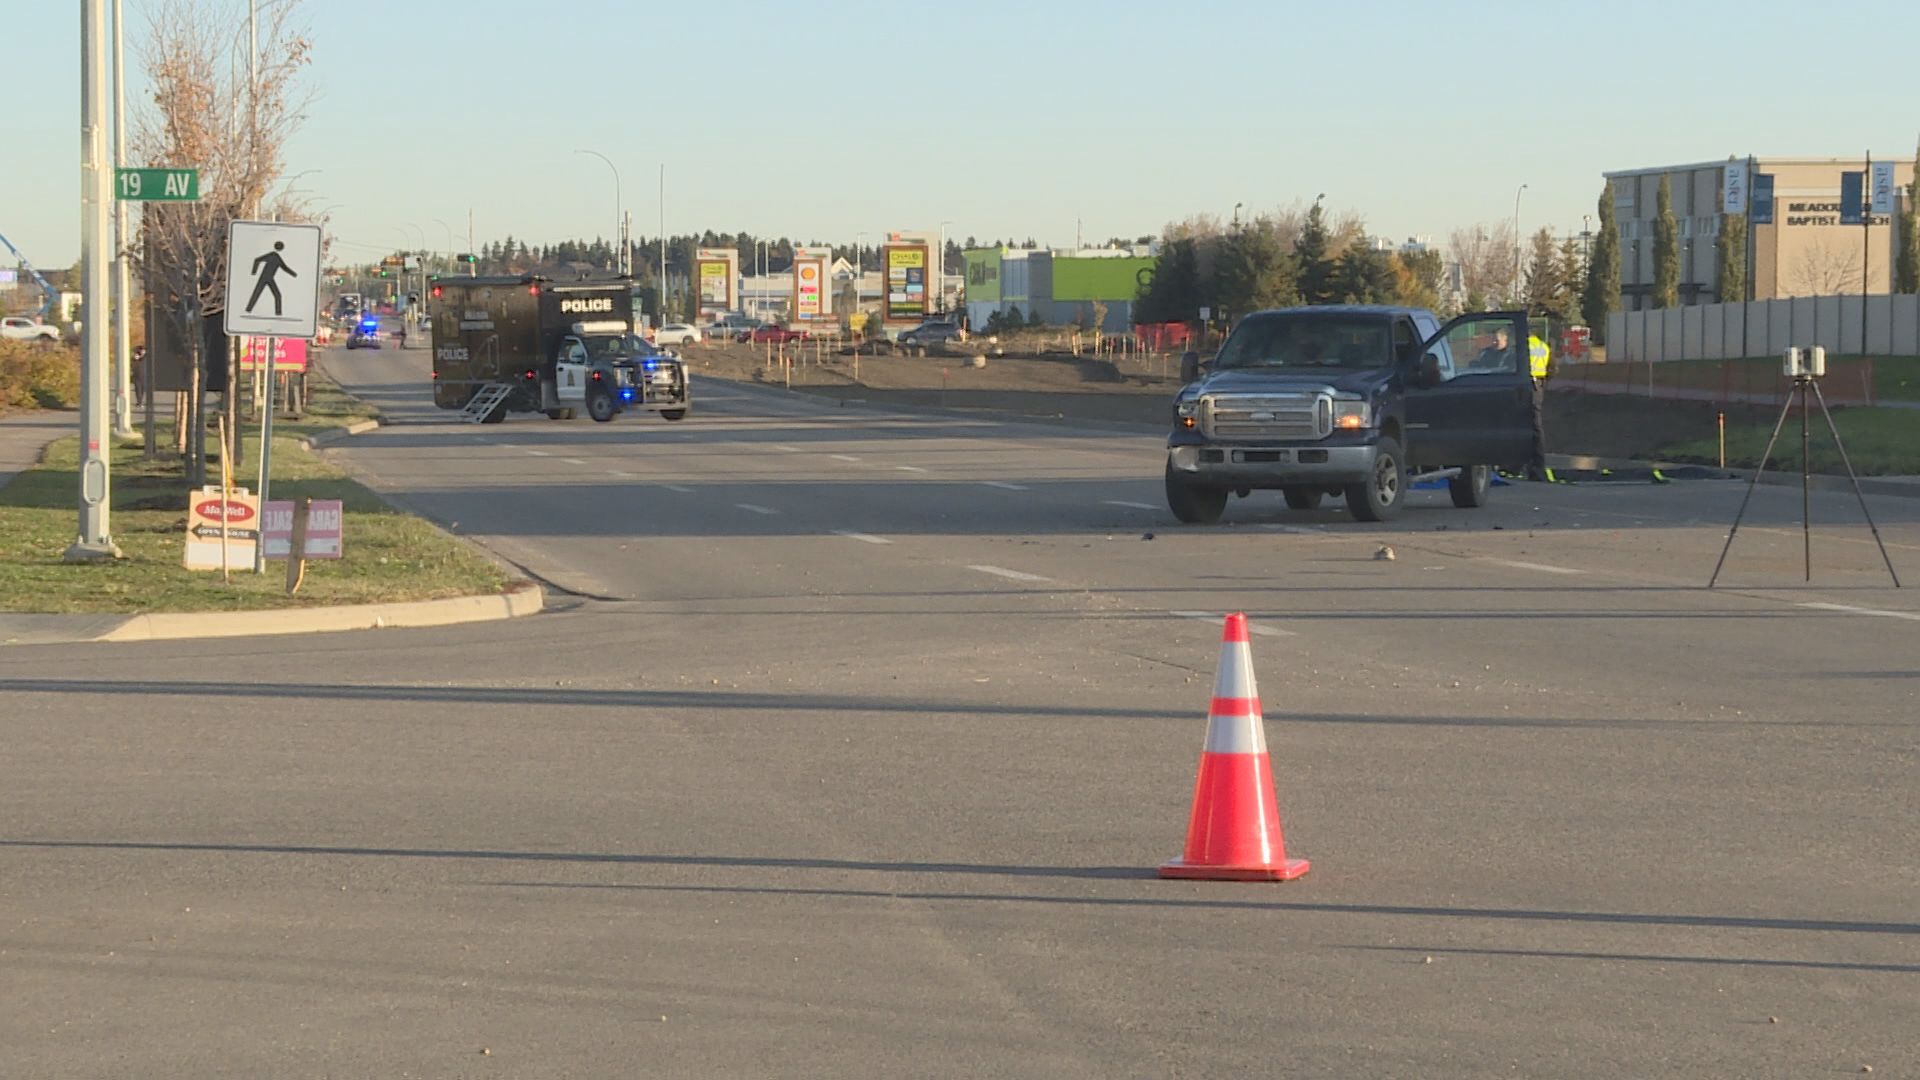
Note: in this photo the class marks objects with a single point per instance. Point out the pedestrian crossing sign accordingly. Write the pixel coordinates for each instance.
(273, 279)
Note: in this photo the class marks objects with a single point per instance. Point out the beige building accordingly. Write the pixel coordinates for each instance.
(1804, 252)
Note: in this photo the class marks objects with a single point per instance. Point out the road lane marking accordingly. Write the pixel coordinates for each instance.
(909, 468)
(573, 461)
(1013, 575)
(1131, 505)
(1297, 530)
(622, 475)
(843, 457)
(1252, 627)
(1004, 485)
(753, 509)
(678, 488)
(539, 453)
(1851, 610)
(1541, 567)
(864, 538)
(777, 446)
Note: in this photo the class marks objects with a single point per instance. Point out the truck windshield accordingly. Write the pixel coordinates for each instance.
(1355, 342)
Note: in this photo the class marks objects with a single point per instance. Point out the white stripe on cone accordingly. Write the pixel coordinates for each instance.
(1236, 734)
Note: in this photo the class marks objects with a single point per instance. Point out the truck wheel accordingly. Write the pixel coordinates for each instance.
(497, 416)
(1301, 498)
(559, 414)
(673, 414)
(1380, 496)
(1469, 489)
(600, 405)
(1194, 503)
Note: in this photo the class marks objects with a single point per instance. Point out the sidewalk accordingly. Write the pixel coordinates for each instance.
(24, 435)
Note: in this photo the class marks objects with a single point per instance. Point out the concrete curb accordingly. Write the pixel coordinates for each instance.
(325, 438)
(521, 599)
(1823, 482)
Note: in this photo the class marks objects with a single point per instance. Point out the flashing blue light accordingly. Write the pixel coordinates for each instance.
(626, 395)
(649, 364)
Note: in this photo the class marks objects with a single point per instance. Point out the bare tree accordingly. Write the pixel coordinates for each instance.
(1485, 255)
(1823, 271)
(205, 115)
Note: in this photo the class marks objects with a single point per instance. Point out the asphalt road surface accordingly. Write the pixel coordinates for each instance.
(857, 736)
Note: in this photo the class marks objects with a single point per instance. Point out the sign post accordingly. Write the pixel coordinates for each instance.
(282, 261)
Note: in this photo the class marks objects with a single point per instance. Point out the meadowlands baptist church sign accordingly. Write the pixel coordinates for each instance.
(1821, 213)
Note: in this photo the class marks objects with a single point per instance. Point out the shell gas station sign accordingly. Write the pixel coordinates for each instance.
(812, 285)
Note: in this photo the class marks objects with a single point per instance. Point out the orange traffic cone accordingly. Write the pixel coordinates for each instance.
(1234, 832)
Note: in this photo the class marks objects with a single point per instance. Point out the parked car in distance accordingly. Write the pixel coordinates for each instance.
(933, 332)
(678, 334)
(776, 335)
(732, 326)
(20, 328)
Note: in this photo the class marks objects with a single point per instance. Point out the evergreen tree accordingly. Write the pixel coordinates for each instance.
(1173, 293)
(1730, 251)
(1417, 278)
(1907, 268)
(1253, 271)
(1666, 249)
(1602, 294)
(1573, 271)
(1362, 275)
(1314, 268)
(1544, 284)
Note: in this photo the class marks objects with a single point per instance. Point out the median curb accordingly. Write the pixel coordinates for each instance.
(1823, 482)
(334, 435)
(520, 599)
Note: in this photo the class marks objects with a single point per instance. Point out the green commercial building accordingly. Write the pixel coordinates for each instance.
(1062, 286)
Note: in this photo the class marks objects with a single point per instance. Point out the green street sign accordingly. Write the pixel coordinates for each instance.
(159, 185)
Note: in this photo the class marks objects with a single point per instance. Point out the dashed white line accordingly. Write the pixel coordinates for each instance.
(1013, 575)
(573, 461)
(539, 453)
(865, 538)
(1541, 567)
(786, 449)
(1876, 612)
(1004, 485)
(843, 457)
(678, 488)
(1252, 627)
(621, 475)
(1131, 505)
(909, 468)
(753, 509)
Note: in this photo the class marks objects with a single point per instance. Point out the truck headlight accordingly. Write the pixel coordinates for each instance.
(1350, 416)
(1184, 413)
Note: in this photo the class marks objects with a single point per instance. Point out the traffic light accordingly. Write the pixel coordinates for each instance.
(384, 272)
(469, 258)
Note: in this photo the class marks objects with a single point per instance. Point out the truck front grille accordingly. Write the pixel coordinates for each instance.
(1255, 417)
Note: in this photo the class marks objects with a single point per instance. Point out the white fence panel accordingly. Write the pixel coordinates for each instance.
(1906, 326)
(1618, 348)
(1672, 342)
(1713, 331)
(1879, 326)
(1829, 324)
(1693, 337)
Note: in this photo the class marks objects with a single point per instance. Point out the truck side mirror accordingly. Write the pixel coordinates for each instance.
(1430, 370)
(1189, 366)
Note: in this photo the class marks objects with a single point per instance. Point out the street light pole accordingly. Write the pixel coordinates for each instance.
(620, 261)
(94, 542)
(663, 247)
(122, 291)
(1516, 240)
(940, 275)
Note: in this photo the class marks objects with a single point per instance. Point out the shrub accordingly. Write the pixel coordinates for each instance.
(36, 376)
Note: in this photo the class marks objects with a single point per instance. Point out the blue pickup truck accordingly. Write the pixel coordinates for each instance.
(1353, 402)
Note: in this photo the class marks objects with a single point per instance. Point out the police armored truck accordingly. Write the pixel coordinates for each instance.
(1353, 402)
(526, 343)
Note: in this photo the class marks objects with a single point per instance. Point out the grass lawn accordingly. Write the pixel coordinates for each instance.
(1881, 442)
(1895, 378)
(389, 555)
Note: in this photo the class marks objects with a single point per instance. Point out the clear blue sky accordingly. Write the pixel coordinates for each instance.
(824, 119)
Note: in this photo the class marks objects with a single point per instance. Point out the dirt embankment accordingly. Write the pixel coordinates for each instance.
(1136, 392)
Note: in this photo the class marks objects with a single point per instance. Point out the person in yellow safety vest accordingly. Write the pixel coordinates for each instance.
(1539, 364)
